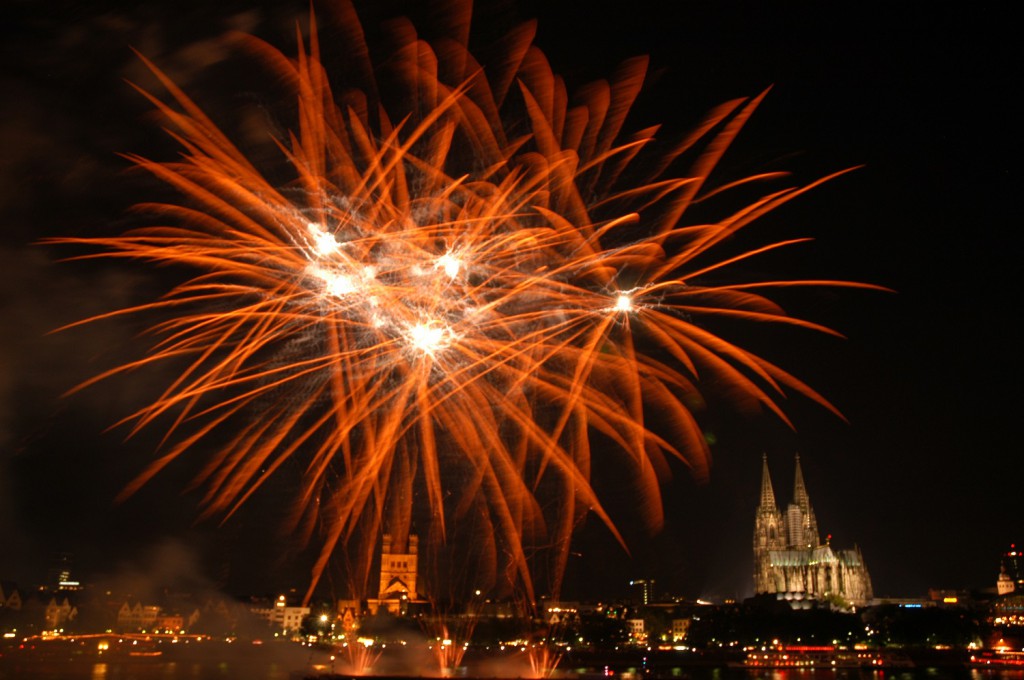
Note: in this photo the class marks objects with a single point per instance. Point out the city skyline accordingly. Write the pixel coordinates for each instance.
(921, 479)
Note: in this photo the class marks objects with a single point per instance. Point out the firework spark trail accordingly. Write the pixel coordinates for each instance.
(448, 648)
(434, 297)
(544, 660)
(359, 654)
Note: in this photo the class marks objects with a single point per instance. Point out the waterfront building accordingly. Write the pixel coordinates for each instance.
(398, 572)
(283, 616)
(680, 627)
(59, 613)
(1008, 611)
(1013, 564)
(791, 561)
(10, 597)
(637, 632)
(135, 617)
(1004, 584)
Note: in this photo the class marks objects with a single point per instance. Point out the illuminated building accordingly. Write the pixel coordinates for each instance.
(1013, 562)
(646, 587)
(680, 628)
(398, 567)
(1004, 584)
(132, 618)
(60, 574)
(791, 561)
(637, 633)
(1008, 611)
(282, 616)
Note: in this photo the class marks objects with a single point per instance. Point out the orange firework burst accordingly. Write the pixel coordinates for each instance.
(456, 291)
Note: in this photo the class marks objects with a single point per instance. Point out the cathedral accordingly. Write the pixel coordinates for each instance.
(791, 561)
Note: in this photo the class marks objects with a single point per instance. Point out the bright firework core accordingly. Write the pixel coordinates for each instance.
(450, 264)
(428, 337)
(323, 242)
(418, 284)
(485, 214)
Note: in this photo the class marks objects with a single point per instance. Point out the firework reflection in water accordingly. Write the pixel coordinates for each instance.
(360, 655)
(448, 650)
(544, 659)
(458, 286)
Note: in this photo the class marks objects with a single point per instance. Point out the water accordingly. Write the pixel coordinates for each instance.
(171, 670)
(83, 660)
(210, 661)
(263, 669)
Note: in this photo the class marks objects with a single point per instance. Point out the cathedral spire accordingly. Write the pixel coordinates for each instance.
(809, 528)
(799, 490)
(769, 530)
(767, 493)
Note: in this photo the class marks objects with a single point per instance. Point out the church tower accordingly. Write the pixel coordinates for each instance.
(801, 526)
(398, 567)
(399, 562)
(769, 531)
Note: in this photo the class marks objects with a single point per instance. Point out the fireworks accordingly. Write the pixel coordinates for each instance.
(360, 654)
(460, 286)
(543, 660)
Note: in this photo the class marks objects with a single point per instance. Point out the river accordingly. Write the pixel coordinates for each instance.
(287, 661)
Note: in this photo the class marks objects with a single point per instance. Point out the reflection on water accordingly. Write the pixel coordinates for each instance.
(208, 661)
(151, 671)
(862, 674)
(253, 665)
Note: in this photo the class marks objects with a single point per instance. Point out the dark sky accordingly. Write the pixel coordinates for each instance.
(925, 477)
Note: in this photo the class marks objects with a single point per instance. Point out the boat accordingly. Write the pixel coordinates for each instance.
(823, 656)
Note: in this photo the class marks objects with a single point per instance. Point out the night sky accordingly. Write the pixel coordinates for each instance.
(925, 477)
